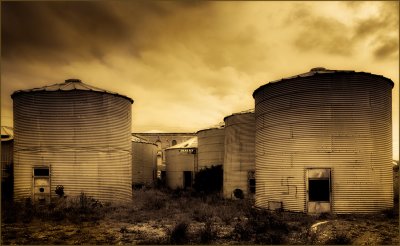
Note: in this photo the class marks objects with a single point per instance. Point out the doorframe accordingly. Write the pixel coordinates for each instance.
(33, 179)
(307, 185)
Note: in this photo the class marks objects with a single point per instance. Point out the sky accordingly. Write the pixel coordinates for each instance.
(188, 64)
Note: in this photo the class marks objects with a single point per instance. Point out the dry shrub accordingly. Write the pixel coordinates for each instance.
(202, 212)
(339, 239)
(179, 234)
(264, 226)
(208, 233)
(228, 213)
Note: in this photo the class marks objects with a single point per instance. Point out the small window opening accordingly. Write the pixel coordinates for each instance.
(173, 142)
(318, 190)
(41, 189)
(41, 172)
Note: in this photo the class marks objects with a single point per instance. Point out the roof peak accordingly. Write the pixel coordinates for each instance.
(73, 81)
(69, 85)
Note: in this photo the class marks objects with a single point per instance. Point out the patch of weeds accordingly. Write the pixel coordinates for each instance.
(389, 213)
(155, 203)
(28, 211)
(153, 241)
(324, 216)
(241, 232)
(227, 214)
(10, 211)
(208, 233)
(202, 213)
(339, 239)
(262, 225)
(270, 237)
(179, 234)
(124, 229)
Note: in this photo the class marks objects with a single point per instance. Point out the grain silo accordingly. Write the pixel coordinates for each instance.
(180, 162)
(144, 162)
(7, 147)
(324, 142)
(239, 159)
(211, 147)
(72, 135)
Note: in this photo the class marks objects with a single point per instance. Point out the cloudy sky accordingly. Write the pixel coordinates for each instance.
(189, 64)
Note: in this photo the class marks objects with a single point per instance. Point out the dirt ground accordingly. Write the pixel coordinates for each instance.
(154, 218)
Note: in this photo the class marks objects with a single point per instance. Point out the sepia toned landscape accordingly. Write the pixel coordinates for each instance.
(199, 123)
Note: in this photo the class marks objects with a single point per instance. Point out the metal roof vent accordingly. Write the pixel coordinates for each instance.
(73, 80)
(316, 69)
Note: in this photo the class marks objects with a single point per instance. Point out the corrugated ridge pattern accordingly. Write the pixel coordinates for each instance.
(211, 147)
(338, 121)
(144, 162)
(176, 163)
(239, 156)
(84, 136)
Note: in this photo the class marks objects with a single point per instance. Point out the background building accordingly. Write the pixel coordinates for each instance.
(180, 162)
(163, 141)
(144, 162)
(7, 147)
(211, 147)
(239, 158)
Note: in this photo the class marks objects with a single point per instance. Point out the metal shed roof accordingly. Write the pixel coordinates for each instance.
(241, 112)
(220, 125)
(70, 85)
(191, 143)
(137, 139)
(318, 71)
(7, 133)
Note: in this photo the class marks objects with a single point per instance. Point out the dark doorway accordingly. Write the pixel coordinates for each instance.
(318, 190)
(187, 179)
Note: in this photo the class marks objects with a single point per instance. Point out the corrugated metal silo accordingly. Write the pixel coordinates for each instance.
(324, 142)
(180, 162)
(211, 147)
(74, 135)
(239, 160)
(144, 162)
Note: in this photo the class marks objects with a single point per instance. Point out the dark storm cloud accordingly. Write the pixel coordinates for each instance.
(58, 30)
(387, 48)
(383, 28)
(323, 34)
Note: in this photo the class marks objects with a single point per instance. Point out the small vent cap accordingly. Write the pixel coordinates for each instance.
(73, 80)
(316, 69)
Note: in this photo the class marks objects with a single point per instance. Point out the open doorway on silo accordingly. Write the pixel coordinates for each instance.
(187, 179)
(41, 184)
(318, 185)
(251, 179)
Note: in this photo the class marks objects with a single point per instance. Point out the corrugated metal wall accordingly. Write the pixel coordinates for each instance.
(340, 121)
(239, 156)
(85, 138)
(211, 147)
(144, 163)
(178, 161)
